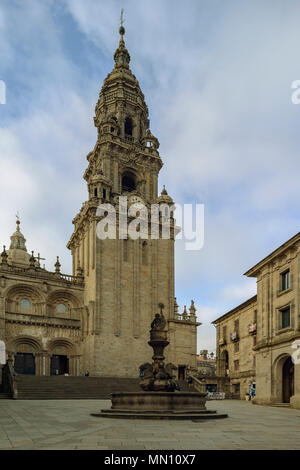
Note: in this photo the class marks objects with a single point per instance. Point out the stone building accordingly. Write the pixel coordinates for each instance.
(99, 318)
(236, 338)
(206, 363)
(269, 353)
(278, 325)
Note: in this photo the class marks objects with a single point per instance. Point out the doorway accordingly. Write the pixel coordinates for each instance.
(287, 380)
(59, 365)
(181, 372)
(24, 363)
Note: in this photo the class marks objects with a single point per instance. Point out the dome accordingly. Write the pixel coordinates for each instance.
(17, 253)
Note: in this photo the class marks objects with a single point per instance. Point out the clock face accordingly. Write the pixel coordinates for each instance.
(135, 199)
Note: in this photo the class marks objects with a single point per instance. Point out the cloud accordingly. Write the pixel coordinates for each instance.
(216, 77)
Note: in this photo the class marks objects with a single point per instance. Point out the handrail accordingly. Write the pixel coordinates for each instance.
(9, 379)
(197, 384)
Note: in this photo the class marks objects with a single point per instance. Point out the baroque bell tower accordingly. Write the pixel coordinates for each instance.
(125, 279)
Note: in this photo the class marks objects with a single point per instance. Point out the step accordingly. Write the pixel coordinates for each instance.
(5, 396)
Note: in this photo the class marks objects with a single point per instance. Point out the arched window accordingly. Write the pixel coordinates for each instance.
(25, 304)
(61, 308)
(128, 182)
(128, 126)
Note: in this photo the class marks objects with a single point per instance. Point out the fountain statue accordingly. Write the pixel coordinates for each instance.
(160, 398)
(156, 376)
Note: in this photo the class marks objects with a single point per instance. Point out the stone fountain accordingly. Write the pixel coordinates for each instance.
(160, 398)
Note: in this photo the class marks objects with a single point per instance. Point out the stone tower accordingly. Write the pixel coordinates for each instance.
(125, 279)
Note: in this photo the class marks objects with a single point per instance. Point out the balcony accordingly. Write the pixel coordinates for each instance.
(234, 336)
(252, 328)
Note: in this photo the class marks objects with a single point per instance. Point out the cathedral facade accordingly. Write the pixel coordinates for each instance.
(98, 318)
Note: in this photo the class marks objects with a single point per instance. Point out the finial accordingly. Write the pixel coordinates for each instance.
(57, 265)
(161, 306)
(122, 21)
(18, 221)
(4, 256)
(32, 260)
(164, 191)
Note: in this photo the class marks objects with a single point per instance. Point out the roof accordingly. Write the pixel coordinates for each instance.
(208, 359)
(236, 309)
(252, 272)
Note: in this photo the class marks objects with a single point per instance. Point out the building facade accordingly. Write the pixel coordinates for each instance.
(99, 318)
(269, 354)
(236, 339)
(278, 325)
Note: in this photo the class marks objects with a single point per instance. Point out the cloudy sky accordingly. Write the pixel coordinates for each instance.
(217, 79)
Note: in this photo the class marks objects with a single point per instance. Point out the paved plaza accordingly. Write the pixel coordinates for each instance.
(67, 424)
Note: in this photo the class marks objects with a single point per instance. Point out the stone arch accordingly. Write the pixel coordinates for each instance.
(62, 357)
(61, 297)
(25, 342)
(224, 363)
(129, 180)
(63, 345)
(18, 292)
(278, 381)
(26, 351)
(128, 126)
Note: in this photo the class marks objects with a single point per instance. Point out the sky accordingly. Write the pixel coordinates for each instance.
(217, 79)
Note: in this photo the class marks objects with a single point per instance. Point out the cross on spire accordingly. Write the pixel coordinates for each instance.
(18, 221)
(122, 21)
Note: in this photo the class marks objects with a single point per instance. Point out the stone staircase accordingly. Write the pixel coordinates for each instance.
(282, 405)
(5, 396)
(32, 387)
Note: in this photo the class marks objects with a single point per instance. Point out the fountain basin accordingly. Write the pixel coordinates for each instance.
(159, 405)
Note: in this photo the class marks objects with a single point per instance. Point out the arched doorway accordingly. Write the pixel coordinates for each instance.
(59, 364)
(287, 380)
(61, 353)
(24, 363)
(224, 364)
(26, 351)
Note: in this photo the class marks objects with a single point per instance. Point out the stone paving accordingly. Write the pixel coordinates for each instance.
(67, 424)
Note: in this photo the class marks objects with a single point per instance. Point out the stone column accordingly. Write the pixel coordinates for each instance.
(2, 318)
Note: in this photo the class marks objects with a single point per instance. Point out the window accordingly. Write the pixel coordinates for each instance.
(254, 340)
(285, 317)
(236, 365)
(128, 126)
(104, 193)
(236, 388)
(285, 280)
(236, 325)
(25, 304)
(128, 182)
(255, 316)
(95, 192)
(61, 308)
(224, 332)
(254, 361)
(236, 347)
